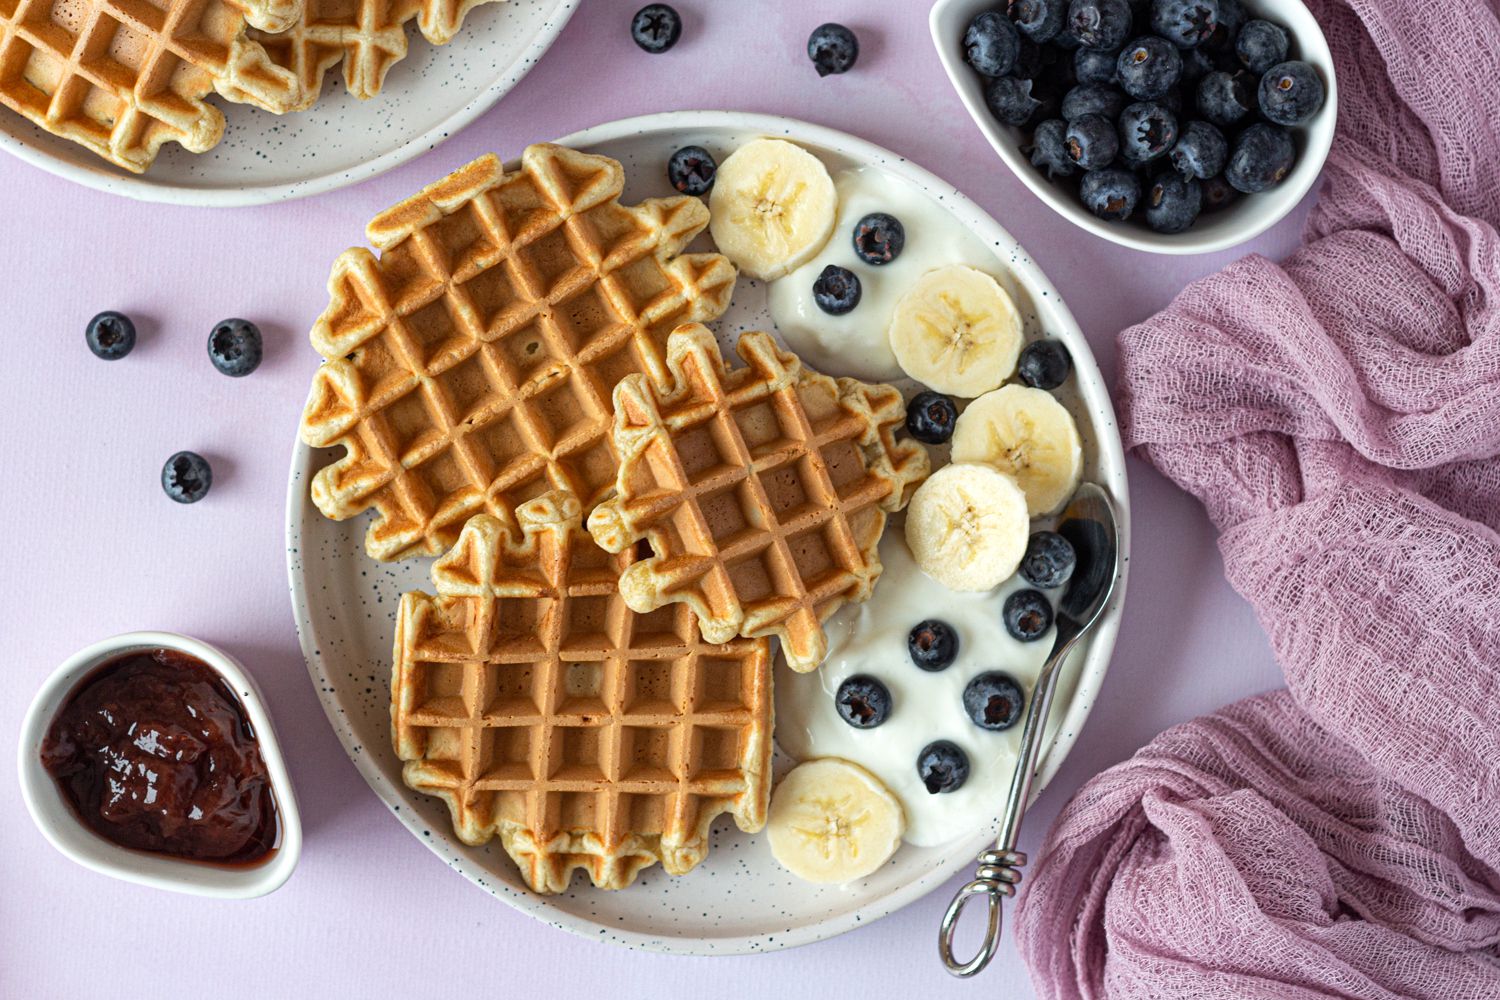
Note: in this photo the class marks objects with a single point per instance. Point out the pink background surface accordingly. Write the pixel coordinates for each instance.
(99, 549)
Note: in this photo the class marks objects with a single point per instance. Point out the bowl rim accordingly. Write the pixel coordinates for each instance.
(45, 803)
(1312, 44)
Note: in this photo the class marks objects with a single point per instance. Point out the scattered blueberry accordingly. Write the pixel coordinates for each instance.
(1027, 615)
(1260, 45)
(991, 44)
(1262, 156)
(1225, 98)
(1093, 99)
(1149, 68)
(1291, 93)
(1091, 141)
(879, 238)
(235, 347)
(1217, 193)
(110, 335)
(1201, 150)
(1185, 23)
(993, 700)
(1047, 149)
(1010, 100)
(942, 766)
(1173, 202)
(186, 477)
(1044, 364)
(836, 290)
(1110, 193)
(691, 170)
(933, 645)
(1095, 65)
(1049, 560)
(930, 417)
(863, 701)
(656, 27)
(1099, 24)
(1147, 130)
(1039, 20)
(832, 48)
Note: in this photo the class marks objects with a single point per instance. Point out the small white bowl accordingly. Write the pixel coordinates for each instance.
(57, 821)
(1248, 217)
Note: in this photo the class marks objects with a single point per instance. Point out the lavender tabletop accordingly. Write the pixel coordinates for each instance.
(370, 910)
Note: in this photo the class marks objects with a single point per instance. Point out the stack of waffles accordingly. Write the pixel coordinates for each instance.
(122, 77)
(526, 356)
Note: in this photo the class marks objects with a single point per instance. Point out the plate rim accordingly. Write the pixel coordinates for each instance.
(1090, 673)
(102, 176)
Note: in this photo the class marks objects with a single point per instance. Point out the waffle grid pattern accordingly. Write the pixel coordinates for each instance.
(542, 709)
(471, 364)
(763, 491)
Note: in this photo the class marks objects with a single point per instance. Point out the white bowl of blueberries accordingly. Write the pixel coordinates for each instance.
(1174, 126)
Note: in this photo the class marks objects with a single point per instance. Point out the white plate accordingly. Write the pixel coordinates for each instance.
(431, 94)
(739, 899)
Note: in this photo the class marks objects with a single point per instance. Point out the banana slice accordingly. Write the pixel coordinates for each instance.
(1028, 434)
(772, 208)
(832, 821)
(967, 526)
(956, 330)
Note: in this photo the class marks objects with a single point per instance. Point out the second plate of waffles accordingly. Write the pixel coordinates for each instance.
(650, 514)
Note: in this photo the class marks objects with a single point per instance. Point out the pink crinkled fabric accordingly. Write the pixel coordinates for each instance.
(1339, 416)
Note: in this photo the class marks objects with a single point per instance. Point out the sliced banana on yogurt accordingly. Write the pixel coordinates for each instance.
(1028, 434)
(772, 208)
(833, 822)
(956, 330)
(967, 526)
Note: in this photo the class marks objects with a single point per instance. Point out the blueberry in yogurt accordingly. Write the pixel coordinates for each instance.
(863, 701)
(879, 238)
(933, 645)
(943, 767)
(993, 700)
(1027, 615)
(1049, 560)
(836, 290)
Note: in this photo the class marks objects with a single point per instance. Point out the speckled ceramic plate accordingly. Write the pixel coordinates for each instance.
(428, 96)
(739, 899)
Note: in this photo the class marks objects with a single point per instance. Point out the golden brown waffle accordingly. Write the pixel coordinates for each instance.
(122, 77)
(763, 491)
(471, 364)
(542, 709)
(368, 36)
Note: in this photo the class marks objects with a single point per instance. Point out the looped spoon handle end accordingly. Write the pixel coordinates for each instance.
(999, 872)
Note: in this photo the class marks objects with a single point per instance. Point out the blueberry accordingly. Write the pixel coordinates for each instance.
(1039, 20)
(1147, 131)
(993, 700)
(942, 766)
(1049, 560)
(656, 27)
(1201, 150)
(1232, 17)
(1047, 149)
(863, 702)
(1148, 68)
(1044, 364)
(1195, 65)
(1173, 202)
(691, 170)
(836, 290)
(1027, 615)
(1262, 156)
(1185, 23)
(933, 645)
(832, 48)
(1225, 98)
(930, 417)
(110, 335)
(1217, 193)
(991, 44)
(1260, 45)
(1110, 193)
(235, 348)
(1091, 142)
(1291, 93)
(1095, 65)
(1010, 100)
(1099, 24)
(879, 238)
(186, 477)
(1093, 99)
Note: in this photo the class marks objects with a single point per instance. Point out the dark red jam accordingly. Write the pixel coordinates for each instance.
(154, 752)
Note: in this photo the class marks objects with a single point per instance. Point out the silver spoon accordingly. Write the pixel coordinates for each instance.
(1089, 523)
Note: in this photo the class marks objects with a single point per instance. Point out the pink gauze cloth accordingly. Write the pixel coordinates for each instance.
(1339, 416)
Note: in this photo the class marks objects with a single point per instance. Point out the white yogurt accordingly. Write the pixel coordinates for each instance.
(856, 343)
(870, 638)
